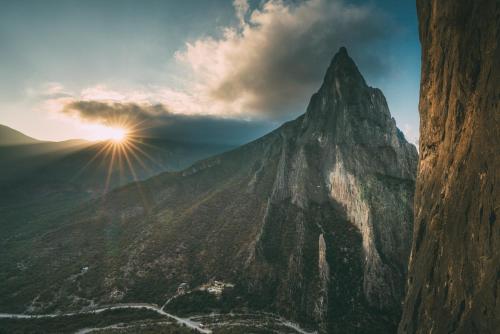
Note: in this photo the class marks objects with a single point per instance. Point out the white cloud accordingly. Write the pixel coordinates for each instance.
(411, 133)
(275, 58)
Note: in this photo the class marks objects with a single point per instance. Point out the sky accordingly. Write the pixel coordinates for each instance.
(202, 68)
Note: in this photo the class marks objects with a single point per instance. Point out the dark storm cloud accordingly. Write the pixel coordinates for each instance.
(158, 122)
(113, 113)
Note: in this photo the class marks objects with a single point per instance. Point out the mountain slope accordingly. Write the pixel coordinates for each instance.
(90, 162)
(20, 160)
(455, 265)
(9, 136)
(312, 221)
(43, 180)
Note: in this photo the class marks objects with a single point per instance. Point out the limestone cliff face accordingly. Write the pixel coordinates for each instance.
(454, 275)
(312, 221)
(344, 157)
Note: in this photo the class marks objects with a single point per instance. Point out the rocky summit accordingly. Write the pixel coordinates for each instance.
(312, 221)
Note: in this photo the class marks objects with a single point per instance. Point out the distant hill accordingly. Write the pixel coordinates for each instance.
(19, 160)
(90, 164)
(9, 136)
(41, 180)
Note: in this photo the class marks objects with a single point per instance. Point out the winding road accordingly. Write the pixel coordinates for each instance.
(153, 307)
(184, 321)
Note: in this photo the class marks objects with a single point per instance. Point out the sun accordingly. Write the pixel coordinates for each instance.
(122, 147)
(116, 135)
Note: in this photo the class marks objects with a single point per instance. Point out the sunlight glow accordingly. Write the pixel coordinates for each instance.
(116, 135)
(124, 151)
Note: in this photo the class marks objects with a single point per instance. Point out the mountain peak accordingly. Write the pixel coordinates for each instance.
(346, 109)
(342, 52)
(342, 58)
(343, 72)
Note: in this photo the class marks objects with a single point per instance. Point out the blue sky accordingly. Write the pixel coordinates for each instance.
(255, 61)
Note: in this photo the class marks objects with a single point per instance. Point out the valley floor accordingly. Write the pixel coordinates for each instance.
(145, 318)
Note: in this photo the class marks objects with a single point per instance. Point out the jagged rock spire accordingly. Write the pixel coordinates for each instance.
(343, 75)
(346, 108)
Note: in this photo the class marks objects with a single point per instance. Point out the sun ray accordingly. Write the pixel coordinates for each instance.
(125, 154)
(139, 160)
(101, 150)
(140, 150)
(138, 184)
(110, 168)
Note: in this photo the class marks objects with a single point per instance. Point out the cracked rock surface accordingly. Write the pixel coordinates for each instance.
(454, 274)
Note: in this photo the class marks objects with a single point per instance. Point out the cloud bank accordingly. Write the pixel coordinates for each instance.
(275, 58)
(156, 121)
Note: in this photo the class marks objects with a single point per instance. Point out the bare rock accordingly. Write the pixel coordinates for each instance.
(454, 274)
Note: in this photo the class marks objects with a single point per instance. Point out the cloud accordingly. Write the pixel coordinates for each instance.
(149, 120)
(275, 58)
(410, 133)
(47, 90)
(241, 7)
(235, 87)
(113, 113)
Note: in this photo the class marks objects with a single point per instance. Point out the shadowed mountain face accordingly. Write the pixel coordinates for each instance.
(312, 221)
(454, 275)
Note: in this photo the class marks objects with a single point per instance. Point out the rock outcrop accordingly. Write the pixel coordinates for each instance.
(312, 221)
(454, 275)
